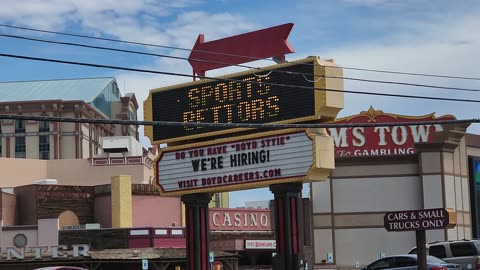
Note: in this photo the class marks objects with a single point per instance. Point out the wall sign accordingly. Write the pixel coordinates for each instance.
(240, 219)
(414, 220)
(260, 244)
(382, 141)
(245, 100)
(36, 253)
(253, 161)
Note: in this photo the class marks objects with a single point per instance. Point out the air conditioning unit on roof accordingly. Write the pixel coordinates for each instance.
(74, 227)
(90, 226)
(47, 182)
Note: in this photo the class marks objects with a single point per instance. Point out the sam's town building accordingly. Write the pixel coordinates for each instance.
(384, 169)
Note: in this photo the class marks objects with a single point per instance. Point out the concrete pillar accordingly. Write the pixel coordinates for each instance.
(121, 201)
(443, 183)
(1, 235)
(197, 231)
(48, 232)
(288, 226)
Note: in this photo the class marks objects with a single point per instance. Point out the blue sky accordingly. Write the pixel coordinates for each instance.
(439, 37)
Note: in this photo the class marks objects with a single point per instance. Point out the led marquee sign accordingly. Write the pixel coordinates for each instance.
(264, 96)
(249, 162)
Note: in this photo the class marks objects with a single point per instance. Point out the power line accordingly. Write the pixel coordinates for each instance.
(232, 80)
(406, 84)
(231, 125)
(125, 41)
(413, 74)
(244, 66)
(91, 37)
(114, 49)
(248, 57)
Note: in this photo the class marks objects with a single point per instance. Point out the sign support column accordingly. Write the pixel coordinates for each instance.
(421, 249)
(287, 224)
(419, 221)
(197, 231)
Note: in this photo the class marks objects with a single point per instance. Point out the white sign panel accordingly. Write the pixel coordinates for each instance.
(260, 244)
(255, 162)
(330, 257)
(211, 257)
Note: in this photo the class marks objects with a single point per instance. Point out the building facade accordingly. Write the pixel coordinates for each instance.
(55, 178)
(93, 98)
(96, 217)
(94, 171)
(387, 169)
(72, 153)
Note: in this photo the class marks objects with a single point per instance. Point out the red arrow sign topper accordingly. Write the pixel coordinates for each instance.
(234, 50)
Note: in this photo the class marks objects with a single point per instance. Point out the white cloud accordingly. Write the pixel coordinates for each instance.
(45, 14)
(375, 2)
(134, 21)
(439, 50)
(185, 29)
(366, 2)
(125, 19)
(444, 48)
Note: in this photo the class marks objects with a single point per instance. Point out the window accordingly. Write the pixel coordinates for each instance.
(404, 262)
(0, 138)
(44, 147)
(381, 264)
(437, 251)
(19, 126)
(20, 147)
(217, 200)
(44, 140)
(115, 90)
(43, 126)
(463, 249)
(131, 115)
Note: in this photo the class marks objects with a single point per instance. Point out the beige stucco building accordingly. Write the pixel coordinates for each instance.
(420, 167)
(93, 171)
(70, 153)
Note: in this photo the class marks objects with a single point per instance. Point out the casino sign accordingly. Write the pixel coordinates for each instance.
(284, 93)
(382, 141)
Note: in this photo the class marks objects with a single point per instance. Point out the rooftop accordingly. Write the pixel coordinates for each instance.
(71, 89)
(133, 254)
(147, 253)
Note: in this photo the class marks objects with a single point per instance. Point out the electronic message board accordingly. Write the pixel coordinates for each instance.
(283, 93)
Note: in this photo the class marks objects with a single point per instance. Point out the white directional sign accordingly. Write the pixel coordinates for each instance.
(240, 163)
